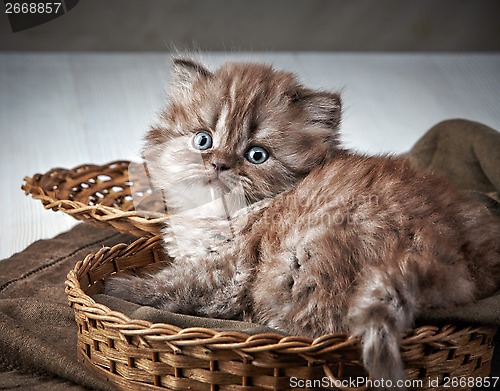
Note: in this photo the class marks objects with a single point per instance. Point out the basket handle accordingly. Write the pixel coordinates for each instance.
(337, 382)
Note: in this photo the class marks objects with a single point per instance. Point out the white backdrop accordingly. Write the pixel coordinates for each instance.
(68, 109)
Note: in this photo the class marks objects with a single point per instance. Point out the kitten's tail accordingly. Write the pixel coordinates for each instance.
(383, 307)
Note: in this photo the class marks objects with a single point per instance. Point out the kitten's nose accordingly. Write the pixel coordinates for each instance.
(219, 165)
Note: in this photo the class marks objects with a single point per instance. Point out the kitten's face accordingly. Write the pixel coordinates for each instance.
(244, 126)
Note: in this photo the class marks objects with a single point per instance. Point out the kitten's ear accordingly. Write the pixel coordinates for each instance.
(321, 107)
(185, 72)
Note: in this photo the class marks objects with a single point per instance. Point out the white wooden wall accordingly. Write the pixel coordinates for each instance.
(67, 109)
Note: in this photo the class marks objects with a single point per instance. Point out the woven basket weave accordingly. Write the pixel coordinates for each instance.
(138, 355)
(116, 195)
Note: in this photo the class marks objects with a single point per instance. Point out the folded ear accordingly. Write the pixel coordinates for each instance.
(321, 107)
(186, 71)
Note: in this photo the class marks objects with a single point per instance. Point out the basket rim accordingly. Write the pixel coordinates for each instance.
(176, 337)
(111, 216)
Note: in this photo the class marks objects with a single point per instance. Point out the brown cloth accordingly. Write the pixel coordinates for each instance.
(466, 152)
(37, 327)
(155, 315)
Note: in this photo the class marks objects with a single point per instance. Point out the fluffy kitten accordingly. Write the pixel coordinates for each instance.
(274, 223)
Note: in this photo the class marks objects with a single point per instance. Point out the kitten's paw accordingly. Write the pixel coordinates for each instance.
(382, 357)
(122, 287)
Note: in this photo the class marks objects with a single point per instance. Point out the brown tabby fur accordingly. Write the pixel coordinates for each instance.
(329, 241)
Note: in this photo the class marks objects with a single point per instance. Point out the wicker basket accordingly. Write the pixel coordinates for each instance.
(139, 355)
(116, 195)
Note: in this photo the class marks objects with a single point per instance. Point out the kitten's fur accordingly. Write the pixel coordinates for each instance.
(330, 241)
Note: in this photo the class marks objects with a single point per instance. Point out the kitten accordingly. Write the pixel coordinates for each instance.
(274, 223)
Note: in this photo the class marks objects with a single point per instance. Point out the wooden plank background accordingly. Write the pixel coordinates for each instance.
(59, 109)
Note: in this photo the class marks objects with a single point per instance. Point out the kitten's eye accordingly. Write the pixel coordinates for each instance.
(202, 140)
(257, 155)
